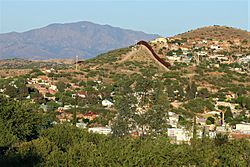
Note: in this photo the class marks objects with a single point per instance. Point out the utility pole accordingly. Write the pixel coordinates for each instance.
(74, 113)
(76, 62)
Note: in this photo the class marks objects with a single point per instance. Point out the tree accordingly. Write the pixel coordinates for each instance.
(60, 86)
(22, 118)
(191, 91)
(124, 122)
(7, 138)
(228, 115)
(210, 120)
(125, 104)
(203, 93)
(11, 91)
(195, 106)
(36, 96)
(23, 91)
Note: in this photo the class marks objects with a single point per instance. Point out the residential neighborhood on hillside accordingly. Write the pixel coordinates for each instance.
(89, 102)
(145, 83)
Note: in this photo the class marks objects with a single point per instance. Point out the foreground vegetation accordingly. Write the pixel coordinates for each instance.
(28, 139)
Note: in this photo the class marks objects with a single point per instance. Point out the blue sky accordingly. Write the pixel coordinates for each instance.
(164, 17)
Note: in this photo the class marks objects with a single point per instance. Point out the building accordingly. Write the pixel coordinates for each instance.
(107, 103)
(79, 94)
(173, 119)
(179, 135)
(159, 40)
(245, 59)
(243, 128)
(215, 47)
(90, 115)
(100, 130)
(81, 125)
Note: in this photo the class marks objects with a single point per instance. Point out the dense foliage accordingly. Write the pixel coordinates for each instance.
(64, 145)
(27, 140)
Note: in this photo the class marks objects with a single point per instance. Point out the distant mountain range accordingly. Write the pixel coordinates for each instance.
(65, 41)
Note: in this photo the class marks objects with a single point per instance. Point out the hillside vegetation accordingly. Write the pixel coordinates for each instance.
(194, 113)
(216, 32)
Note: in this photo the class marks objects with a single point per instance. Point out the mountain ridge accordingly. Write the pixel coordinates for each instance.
(66, 40)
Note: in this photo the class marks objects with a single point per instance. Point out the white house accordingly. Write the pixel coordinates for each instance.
(179, 135)
(100, 130)
(174, 58)
(215, 47)
(81, 125)
(53, 87)
(244, 128)
(2, 90)
(173, 119)
(245, 59)
(202, 53)
(107, 103)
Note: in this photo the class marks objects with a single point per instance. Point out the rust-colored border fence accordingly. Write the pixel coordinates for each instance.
(166, 64)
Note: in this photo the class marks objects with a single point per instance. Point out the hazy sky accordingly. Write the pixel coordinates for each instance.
(164, 17)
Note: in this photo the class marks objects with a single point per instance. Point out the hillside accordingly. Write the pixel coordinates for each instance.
(217, 32)
(130, 86)
(54, 41)
(125, 61)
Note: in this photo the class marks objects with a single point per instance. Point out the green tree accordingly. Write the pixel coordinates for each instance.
(228, 116)
(210, 120)
(22, 118)
(195, 106)
(61, 86)
(7, 138)
(191, 91)
(11, 91)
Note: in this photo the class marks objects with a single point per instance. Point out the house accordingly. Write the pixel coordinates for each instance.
(79, 94)
(230, 96)
(245, 59)
(215, 47)
(201, 120)
(185, 50)
(46, 70)
(100, 130)
(42, 80)
(67, 107)
(60, 110)
(81, 125)
(204, 41)
(202, 53)
(173, 58)
(52, 91)
(90, 115)
(173, 119)
(82, 94)
(64, 117)
(42, 90)
(107, 103)
(213, 113)
(159, 40)
(2, 90)
(243, 128)
(53, 87)
(179, 135)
